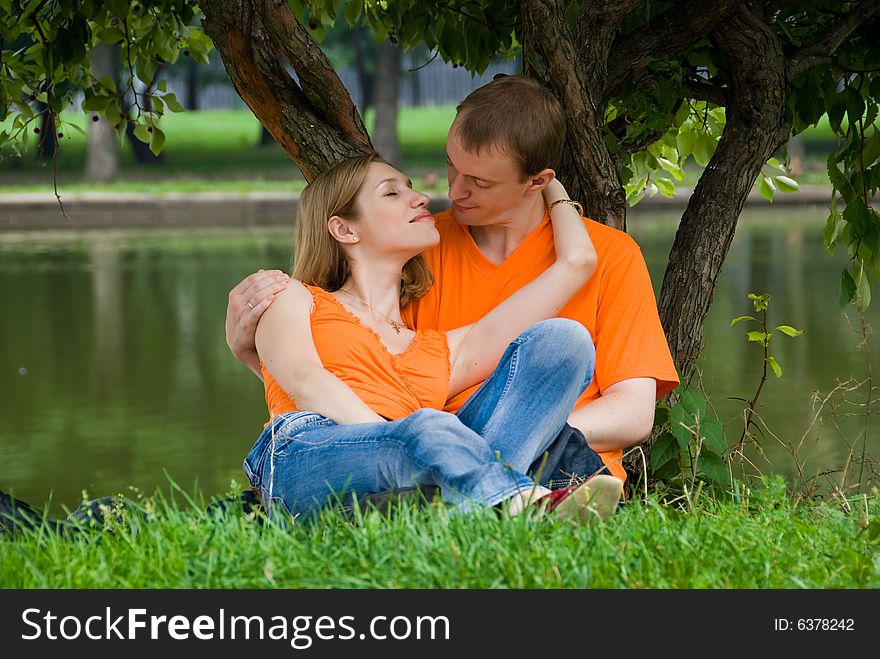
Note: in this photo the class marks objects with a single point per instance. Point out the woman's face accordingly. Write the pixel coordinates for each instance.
(393, 218)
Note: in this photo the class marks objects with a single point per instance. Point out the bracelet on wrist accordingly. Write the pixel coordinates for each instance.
(570, 202)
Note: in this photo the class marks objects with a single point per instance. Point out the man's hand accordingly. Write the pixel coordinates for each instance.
(247, 302)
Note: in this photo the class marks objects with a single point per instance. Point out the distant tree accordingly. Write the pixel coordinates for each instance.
(386, 96)
(102, 154)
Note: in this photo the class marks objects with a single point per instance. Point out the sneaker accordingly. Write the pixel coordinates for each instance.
(594, 500)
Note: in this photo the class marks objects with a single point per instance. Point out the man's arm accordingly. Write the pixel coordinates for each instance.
(620, 418)
(247, 302)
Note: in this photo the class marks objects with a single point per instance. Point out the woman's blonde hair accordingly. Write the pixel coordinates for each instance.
(318, 258)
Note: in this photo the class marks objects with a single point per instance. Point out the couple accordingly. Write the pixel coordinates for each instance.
(339, 348)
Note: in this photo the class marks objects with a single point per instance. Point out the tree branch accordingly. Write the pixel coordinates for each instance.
(705, 91)
(562, 69)
(811, 55)
(597, 26)
(327, 94)
(669, 33)
(304, 124)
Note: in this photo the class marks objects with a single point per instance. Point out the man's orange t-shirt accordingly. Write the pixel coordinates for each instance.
(616, 305)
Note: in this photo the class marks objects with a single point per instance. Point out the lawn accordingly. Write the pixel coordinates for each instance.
(219, 151)
(757, 539)
(213, 150)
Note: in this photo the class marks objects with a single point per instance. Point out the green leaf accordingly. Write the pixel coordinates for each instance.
(766, 189)
(158, 141)
(713, 435)
(855, 105)
(142, 133)
(672, 168)
(742, 318)
(788, 330)
(353, 11)
(111, 35)
(835, 115)
(661, 414)
(757, 337)
(665, 449)
(693, 402)
(680, 421)
(761, 302)
(863, 290)
(704, 147)
(777, 369)
(831, 231)
(162, 85)
(666, 187)
(847, 289)
(685, 142)
(172, 102)
(857, 214)
(840, 182)
(108, 83)
(668, 472)
(96, 103)
(786, 184)
(714, 468)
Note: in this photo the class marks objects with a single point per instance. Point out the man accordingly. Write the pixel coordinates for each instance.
(507, 138)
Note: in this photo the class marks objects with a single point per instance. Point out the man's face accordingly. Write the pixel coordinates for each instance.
(484, 188)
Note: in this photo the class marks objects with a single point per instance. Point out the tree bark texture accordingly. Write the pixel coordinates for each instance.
(387, 95)
(102, 155)
(308, 112)
(755, 128)
(588, 169)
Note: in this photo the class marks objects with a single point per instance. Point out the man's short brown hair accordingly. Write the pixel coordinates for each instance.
(517, 115)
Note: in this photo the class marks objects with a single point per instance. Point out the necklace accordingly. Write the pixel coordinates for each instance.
(390, 321)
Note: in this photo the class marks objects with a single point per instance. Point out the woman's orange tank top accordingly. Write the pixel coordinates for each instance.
(394, 386)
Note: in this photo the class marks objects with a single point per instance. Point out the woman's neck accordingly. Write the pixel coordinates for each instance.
(375, 286)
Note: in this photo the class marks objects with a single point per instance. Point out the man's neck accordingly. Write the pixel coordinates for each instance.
(498, 241)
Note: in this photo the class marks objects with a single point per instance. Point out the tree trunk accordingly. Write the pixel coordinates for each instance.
(102, 156)
(313, 118)
(364, 74)
(192, 85)
(588, 170)
(387, 95)
(755, 128)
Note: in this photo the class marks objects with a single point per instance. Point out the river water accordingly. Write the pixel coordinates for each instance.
(115, 376)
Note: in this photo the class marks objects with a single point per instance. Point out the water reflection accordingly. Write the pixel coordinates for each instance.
(783, 255)
(114, 371)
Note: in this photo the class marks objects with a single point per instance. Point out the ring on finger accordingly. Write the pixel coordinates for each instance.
(250, 305)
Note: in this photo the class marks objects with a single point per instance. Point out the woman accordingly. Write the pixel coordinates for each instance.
(355, 396)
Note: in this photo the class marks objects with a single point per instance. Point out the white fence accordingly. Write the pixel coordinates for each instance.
(437, 83)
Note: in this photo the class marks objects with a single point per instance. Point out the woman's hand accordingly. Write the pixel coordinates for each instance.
(554, 191)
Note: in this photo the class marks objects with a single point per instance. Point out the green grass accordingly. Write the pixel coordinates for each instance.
(212, 151)
(764, 542)
(218, 151)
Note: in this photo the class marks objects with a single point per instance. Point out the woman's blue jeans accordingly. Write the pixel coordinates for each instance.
(478, 456)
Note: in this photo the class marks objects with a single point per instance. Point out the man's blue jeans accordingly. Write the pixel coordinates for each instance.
(479, 456)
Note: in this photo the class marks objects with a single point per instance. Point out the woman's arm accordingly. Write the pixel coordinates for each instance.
(285, 345)
(247, 302)
(475, 349)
